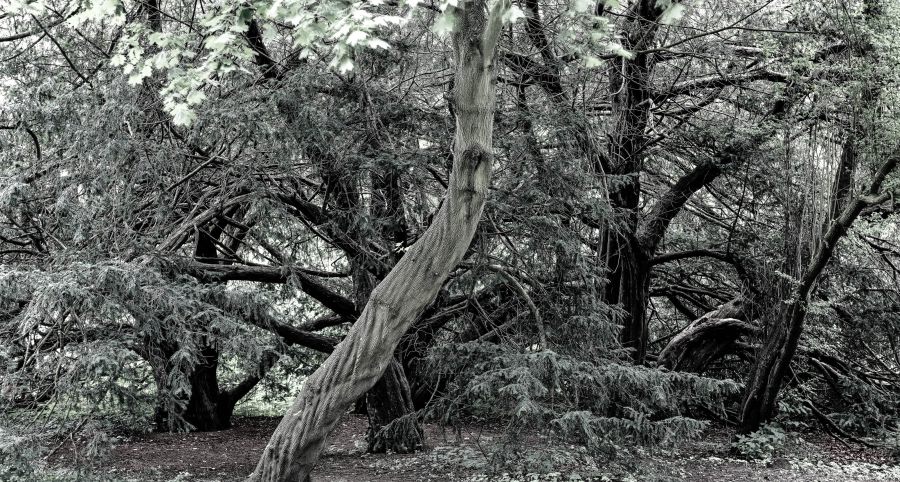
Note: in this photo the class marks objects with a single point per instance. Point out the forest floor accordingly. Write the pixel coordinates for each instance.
(464, 455)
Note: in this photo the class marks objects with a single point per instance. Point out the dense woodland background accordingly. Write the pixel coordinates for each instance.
(689, 221)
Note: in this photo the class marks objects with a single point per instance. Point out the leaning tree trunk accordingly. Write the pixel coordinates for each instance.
(359, 360)
(778, 350)
(706, 339)
(781, 342)
(393, 426)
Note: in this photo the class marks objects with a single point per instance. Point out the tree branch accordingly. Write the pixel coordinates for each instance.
(270, 274)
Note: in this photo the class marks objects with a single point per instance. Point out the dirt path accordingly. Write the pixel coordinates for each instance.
(230, 455)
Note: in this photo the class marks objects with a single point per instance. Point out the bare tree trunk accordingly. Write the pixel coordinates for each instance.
(783, 338)
(629, 278)
(393, 426)
(359, 361)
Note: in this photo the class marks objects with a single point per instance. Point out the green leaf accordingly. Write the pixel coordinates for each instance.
(356, 37)
(139, 76)
(445, 24)
(182, 115)
(582, 5)
(618, 49)
(344, 65)
(672, 14)
(591, 62)
(512, 14)
(219, 42)
(195, 97)
(377, 43)
(159, 38)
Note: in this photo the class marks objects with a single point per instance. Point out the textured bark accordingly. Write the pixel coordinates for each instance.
(783, 337)
(385, 403)
(205, 410)
(706, 339)
(630, 289)
(629, 277)
(393, 426)
(359, 361)
(781, 342)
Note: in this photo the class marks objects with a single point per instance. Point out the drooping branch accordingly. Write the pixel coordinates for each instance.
(706, 339)
(692, 253)
(259, 317)
(654, 226)
(716, 81)
(269, 274)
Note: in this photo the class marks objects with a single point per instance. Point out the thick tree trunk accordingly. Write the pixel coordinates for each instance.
(630, 289)
(393, 426)
(783, 337)
(206, 409)
(630, 84)
(360, 359)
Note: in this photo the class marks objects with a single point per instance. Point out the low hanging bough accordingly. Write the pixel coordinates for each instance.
(706, 339)
(358, 362)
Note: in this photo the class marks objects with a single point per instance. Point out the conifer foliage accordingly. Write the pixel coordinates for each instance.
(612, 222)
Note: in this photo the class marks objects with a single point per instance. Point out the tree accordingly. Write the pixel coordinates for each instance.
(413, 283)
(198, 205)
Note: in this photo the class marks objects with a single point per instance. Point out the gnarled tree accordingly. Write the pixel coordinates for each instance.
(359, 361)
